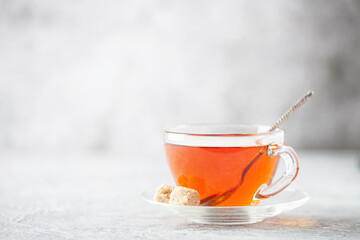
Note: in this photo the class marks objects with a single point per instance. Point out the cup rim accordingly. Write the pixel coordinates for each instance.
(172, 129)
(181, 135)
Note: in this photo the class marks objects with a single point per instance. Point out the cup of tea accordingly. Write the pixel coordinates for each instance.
(229, 164)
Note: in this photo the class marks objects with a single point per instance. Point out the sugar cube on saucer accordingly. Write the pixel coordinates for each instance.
(177, 195)
(163, 193)
(184, 196)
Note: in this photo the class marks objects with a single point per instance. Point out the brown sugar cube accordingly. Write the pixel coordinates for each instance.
(163, 193)
(184, 196)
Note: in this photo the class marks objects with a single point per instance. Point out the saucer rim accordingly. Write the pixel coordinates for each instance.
(306, 197)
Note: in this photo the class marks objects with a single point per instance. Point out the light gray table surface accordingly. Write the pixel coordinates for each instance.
(97, 196)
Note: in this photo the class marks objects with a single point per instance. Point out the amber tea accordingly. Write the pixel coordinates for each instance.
(211, 170)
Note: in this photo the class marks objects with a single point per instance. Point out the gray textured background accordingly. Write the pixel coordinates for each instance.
(110, 75)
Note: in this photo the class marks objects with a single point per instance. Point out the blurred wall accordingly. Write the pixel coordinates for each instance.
(92, 75)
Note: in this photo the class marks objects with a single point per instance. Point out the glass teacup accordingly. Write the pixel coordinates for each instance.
(229, 164)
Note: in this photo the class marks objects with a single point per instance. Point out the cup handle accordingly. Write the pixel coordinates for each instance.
(289, 156)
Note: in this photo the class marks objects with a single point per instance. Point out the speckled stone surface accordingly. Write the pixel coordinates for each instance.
(98, 197)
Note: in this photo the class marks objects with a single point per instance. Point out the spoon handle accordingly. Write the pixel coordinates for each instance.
(292, 110)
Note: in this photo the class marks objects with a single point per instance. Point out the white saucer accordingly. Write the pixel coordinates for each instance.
(282, 202)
